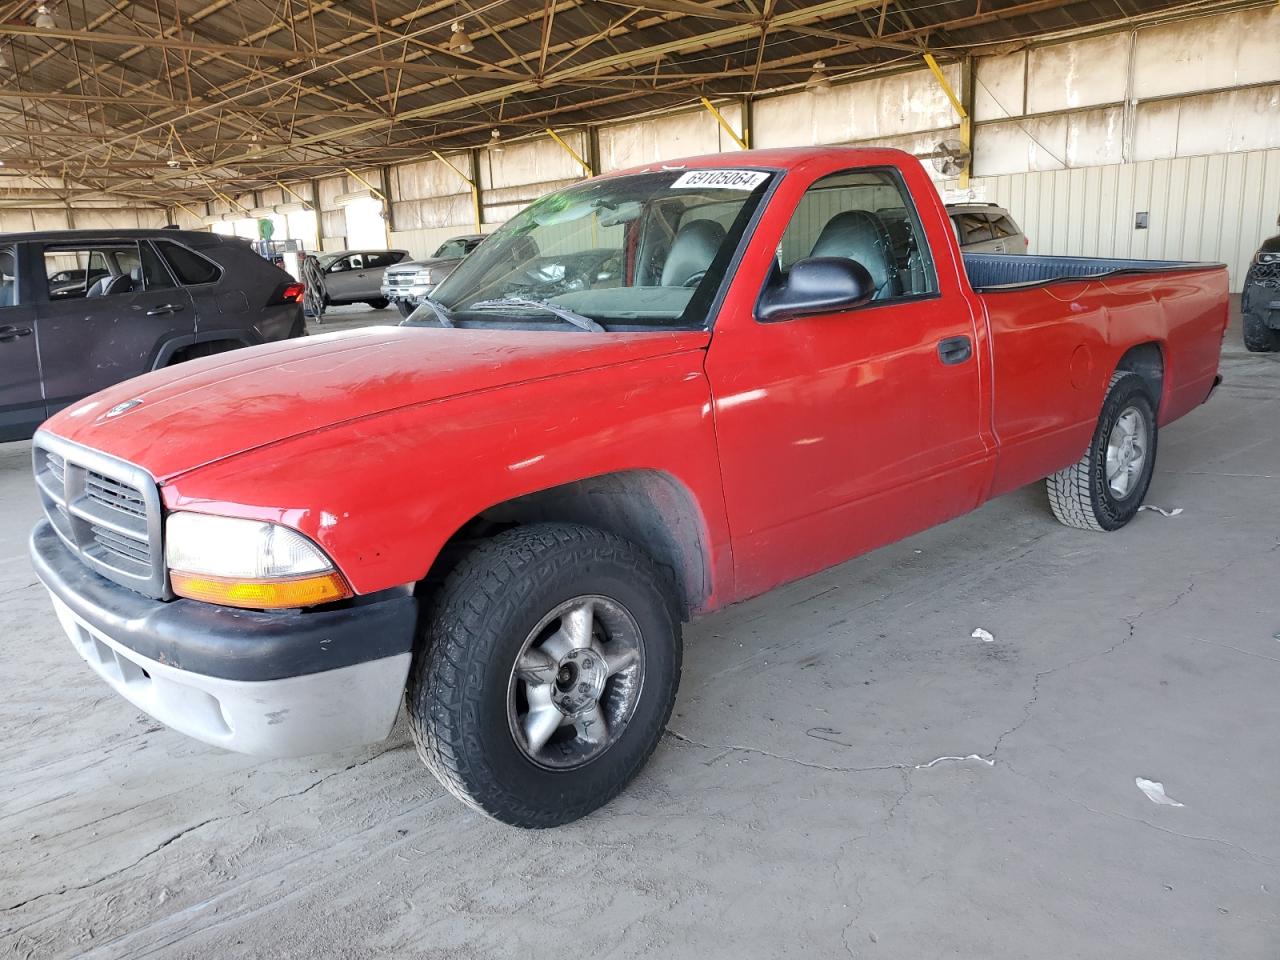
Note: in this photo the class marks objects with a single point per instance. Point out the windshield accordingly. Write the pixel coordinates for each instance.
(450, 250)
(640, 251)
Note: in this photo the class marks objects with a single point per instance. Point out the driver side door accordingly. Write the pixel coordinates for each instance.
(343, 279)
(842, 431)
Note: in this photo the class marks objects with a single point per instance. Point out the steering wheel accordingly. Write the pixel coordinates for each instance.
(694, 279)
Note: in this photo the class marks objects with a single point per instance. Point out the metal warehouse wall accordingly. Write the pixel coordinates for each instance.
(15, 220)
(1180, 120)
(1199, 208)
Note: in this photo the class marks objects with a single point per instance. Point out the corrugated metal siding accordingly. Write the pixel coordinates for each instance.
(1200, 208)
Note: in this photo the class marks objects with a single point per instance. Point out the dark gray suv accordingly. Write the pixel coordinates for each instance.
(83, 309)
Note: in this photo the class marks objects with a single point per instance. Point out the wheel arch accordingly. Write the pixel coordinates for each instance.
(651, 508)
(1147, 360)
(171, 347)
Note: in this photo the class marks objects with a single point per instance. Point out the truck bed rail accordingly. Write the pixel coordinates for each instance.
(993, 271)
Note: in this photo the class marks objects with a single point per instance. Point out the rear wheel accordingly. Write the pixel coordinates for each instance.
(1103, 490)
(548, 674)
(1258, 337)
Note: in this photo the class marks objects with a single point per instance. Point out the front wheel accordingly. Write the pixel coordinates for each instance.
(1105, 488)
(1258, 337)
(405, 308)
(549, 671)
(379, 303)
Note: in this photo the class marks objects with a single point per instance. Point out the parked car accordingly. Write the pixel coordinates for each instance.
(355, 276)
(645, 397)
(83, 309)
(407, 284)
(986, 228)
(1260, 299)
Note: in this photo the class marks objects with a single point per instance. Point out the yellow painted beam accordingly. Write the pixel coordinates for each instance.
(372, 189)
(740, 141)
(946, 87)
(476, 209)
(297, 196)
(571, 152)
(199, 216)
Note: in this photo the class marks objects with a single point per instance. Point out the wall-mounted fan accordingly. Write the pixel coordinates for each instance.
(950, 158)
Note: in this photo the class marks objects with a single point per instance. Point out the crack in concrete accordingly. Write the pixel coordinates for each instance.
(186, 830)
(1227, 646)
(1260, 858)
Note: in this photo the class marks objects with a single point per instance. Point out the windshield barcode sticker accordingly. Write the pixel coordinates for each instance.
(721, 179)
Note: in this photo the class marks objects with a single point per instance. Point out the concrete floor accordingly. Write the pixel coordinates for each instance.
(792, 811)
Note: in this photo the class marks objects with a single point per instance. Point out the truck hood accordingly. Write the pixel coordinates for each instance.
(413, 266)
(174, 420)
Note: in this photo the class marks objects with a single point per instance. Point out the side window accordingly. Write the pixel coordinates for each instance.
(128, 261)
(8, 277)
(1003, 227)
(974, 227)
(188, 266)
(109, 270)
(867, 216)
(373, 261)
(155, 276)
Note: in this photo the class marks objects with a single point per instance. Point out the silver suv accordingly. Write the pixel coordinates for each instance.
(355, 276)
(986, 228)
(408, 284)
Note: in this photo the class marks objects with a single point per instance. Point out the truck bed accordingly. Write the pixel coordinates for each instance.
(995, 271)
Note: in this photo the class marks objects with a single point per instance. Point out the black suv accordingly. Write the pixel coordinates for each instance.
(83, 309)
(1260, 301)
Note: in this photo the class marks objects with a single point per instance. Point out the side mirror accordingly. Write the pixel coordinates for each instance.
(816, 285)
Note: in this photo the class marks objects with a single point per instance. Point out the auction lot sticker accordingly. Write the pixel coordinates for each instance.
(721, 179)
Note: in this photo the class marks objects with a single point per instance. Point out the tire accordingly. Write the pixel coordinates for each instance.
(1258, 337)
(1083, 494)
(379, 303)
(517, 598)
(405, 308)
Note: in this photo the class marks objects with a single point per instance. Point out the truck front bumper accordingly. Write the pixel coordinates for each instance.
(414, 293)
(274, 684)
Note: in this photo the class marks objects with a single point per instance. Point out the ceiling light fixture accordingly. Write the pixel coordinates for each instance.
(818, 81)
(44, 19)
(495, 140)
(459, 39)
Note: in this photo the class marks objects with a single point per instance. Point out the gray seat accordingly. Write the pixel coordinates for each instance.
(107, 286)
(694, 248)
(860, 235)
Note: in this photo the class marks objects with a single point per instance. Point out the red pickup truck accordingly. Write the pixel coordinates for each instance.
(643, 398)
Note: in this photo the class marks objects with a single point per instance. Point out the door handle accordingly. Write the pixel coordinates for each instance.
(955, 349)
(9, 334)
(163, 309)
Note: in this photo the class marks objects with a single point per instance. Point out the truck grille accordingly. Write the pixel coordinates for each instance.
(395, 281)
(1265, 274)
(106, 511)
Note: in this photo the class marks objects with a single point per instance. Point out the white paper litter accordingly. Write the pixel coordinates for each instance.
(1161, 510)
(984, 635)
(972, 756)
(1154, 790)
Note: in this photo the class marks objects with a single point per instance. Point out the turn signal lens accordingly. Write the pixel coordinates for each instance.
(261, 594)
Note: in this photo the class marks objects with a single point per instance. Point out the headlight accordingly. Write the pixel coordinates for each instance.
(1268, 258)
(247, 563)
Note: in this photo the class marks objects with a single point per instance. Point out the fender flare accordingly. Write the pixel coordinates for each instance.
(167, 348)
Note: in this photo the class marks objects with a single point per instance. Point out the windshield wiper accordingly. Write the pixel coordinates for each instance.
(438, 309)
(564, 313)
